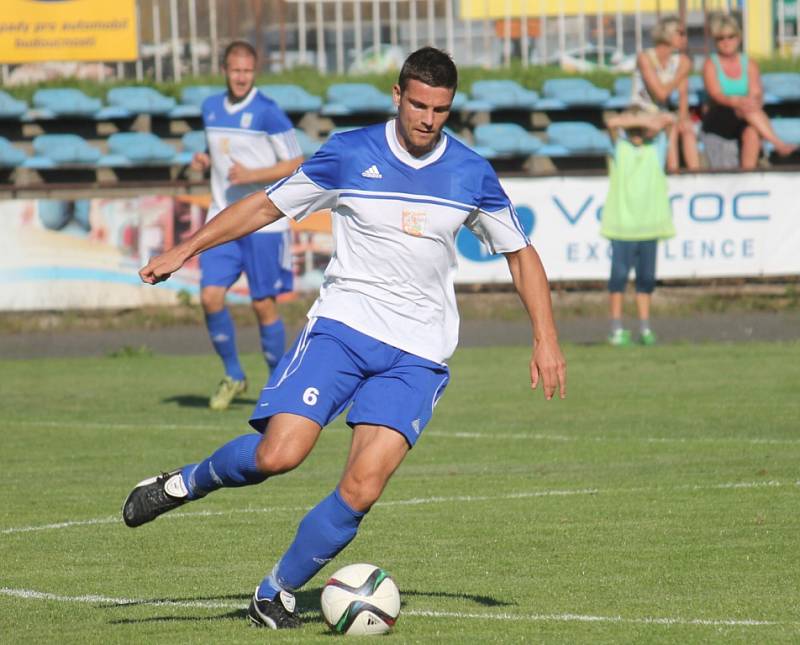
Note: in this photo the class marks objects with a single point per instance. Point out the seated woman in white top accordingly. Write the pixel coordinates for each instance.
(660, 71)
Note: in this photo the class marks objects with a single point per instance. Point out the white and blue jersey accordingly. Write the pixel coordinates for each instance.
(254, 132)
(395, 218)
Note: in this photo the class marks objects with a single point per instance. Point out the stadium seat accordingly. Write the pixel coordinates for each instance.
(308, 145)
(566, 93)
(621, 98)
(483, 151)
(575, 138)
(196, 94)
(292, 99)
(11, 108)
(10, 156)
(191, 142)
(56, 150)
(356, 98)
(504, 95)
(781, 87)
(787, 129)
(64, 101)
(138, 149)
(506, 140)
(140, 100)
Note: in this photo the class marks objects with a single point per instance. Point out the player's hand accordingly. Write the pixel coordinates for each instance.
(162, 266)
(238, 174)
(200, 161)
(549, 366)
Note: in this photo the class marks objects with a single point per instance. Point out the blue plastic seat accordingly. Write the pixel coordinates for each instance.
(65, 101)
(192, 97)
(54, 150)
(140, 100)
(565, 93)
(196, 94)
(356, 98)
(621, 98)
(504, 95)
(10, 156)
(787, 129)
(192, 142)
(140, 149)
(292, 99)
(11, 108)
(575, 138)
(781, 87)
(308, 145)
(506, 140)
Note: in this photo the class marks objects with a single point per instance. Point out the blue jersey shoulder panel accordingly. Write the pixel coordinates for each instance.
(362, 160)
(262, 114)
(269, 117)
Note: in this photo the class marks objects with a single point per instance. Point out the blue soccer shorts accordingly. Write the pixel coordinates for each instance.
(265, 258)
(331, 366)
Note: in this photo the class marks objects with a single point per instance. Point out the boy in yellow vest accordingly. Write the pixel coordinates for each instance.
(636, 213)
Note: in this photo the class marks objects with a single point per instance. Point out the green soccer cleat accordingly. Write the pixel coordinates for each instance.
(647, 338)
(620, 338)
(227, 390)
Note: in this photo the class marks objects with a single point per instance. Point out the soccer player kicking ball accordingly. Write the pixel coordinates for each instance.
(251, 143)
(385, 321)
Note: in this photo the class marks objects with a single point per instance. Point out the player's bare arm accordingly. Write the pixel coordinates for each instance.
(237, 220)
(530, 281)
(239, 174)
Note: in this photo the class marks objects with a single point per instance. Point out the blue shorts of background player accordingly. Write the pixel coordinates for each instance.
(260, 256)
(331, 366)
(265, 258)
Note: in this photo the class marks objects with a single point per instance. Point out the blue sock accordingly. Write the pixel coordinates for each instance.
(223, 337)
(323, 533)
(231, 466)
(273, 342)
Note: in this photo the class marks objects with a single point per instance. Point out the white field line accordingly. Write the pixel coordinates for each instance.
(505, 436)
(414, 501)
(29, 594)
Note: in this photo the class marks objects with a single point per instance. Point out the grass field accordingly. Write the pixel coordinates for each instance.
(657, 504)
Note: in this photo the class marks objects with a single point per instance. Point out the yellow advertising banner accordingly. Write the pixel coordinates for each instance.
(67, 30)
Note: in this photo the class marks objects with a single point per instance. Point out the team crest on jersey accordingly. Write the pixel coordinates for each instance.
(212, 116)
(414, 222)
(247, 120)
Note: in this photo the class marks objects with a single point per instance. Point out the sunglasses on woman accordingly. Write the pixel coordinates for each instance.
(722, 37)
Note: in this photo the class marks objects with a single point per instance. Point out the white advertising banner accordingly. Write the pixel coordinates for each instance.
(727, 225)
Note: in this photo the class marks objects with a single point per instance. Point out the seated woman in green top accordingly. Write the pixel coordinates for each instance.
(735, 97)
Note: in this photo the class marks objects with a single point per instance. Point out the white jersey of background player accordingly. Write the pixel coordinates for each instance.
(251, 143)
(381, 328)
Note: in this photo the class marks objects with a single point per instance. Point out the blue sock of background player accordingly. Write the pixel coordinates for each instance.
(325, 530)
(273, 342)
(223, 336)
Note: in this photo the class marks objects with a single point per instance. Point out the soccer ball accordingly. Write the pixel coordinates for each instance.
(360, 599)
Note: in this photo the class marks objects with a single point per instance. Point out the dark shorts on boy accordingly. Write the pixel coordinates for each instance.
(639, 255)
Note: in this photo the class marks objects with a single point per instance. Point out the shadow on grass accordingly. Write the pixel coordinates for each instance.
(195, 401)
(307, 606)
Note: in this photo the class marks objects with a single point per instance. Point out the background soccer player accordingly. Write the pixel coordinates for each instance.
(251, 143)
(382, 328)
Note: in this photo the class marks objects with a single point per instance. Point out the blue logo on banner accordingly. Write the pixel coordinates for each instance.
(473, 249)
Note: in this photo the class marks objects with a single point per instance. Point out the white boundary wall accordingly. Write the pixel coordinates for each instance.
(744, 224)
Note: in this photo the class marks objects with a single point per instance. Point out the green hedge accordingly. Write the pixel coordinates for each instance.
(531, 77)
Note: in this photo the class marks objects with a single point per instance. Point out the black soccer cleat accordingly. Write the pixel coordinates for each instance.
(274, 614)
(152, 497)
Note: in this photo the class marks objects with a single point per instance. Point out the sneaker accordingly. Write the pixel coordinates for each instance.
(152, 497)
(277, 613)
(647, 337)
(620, 338)
(227, 390)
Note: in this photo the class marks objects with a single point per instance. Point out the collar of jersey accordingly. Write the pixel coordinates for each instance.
(407, 158)
(233, 108)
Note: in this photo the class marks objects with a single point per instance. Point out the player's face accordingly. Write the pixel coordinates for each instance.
(421, 114)
(240, 73)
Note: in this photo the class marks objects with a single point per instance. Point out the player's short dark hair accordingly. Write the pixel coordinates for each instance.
(431, 66)
(240, 47)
